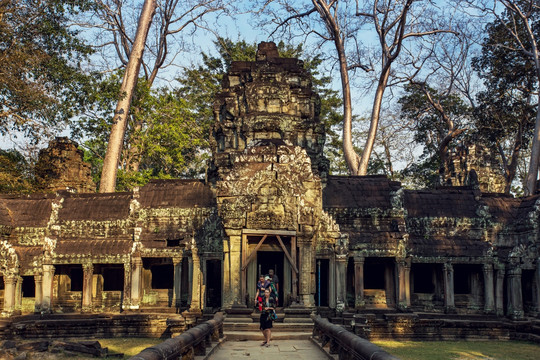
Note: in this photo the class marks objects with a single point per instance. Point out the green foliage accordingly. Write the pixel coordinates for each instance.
(15, 174)
(506, 108)
(164, 137)
(42, 83)
(510, 81)
(430, 128)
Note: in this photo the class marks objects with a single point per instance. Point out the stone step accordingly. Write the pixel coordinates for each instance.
(289, 327)
(257, 335)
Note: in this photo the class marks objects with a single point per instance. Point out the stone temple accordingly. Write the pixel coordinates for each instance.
(338, 243)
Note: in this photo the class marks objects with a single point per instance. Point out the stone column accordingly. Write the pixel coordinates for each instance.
(126, 294)
(18, 295)
(340, 279)
(38, 281)
(10, 283)
(136, 273)
(404, 283)
(88, 274)
(48, 276)
(515, 297)
(537, 286)
(177, 282)
(332, 295)
(190, 279)
(359, 301)
(235, 254)
(307, 270)
(489, 299)
(196, 291)
(499, 290)
(448, 270)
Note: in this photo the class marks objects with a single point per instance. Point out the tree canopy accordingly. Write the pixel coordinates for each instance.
(42, 82)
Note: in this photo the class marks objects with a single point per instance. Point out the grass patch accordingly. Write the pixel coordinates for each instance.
(128, 346)
(461, 350)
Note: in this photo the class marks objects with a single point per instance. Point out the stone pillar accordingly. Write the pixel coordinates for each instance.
(136, 273)
(499, 290)
(126, 301)
(190, 279)
(448, 270)
(18, 295)
(196, 291)
(332, 296)
(48, 276)
(515, 297)
(489, 298)
(537, 286)
(307, 270)
(38, 281)
(10, 283)
(404, 283)
(359, 301)
(235, 254)
(308, 264)
(340, 279)
(88, 274)
(177, 283)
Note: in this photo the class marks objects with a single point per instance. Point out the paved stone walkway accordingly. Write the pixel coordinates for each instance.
(280, 349)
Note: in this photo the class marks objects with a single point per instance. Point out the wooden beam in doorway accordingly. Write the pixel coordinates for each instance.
(293, 263)
(253, 253)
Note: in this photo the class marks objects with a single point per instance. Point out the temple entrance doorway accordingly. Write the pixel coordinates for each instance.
(267, 260)
(263, 250)
(213, 283)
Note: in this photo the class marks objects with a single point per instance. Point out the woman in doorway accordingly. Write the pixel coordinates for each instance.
(261, 285)
(267, 316)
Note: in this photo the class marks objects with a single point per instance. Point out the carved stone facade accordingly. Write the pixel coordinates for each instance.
(338, 243)
(474, 165)
(61, 167)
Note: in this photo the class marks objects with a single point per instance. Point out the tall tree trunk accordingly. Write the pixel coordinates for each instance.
(532, 174)
(351, 158)
(118, 130)
(375, 115)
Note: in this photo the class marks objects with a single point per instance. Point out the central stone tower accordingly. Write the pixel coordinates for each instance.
(267, 166)
(267, 100)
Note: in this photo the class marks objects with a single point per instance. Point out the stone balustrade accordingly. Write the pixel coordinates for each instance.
(187, 345)
(345, 344)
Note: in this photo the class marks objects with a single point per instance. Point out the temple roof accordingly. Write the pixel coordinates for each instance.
(25, 211)
(442, 202)
(95, 207)
(176, 193)
(358, 192)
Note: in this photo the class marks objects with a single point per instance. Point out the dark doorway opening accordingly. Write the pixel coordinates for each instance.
(423, 278)
(267, 260)
(162, 276)
(321, 297)
(76, 276)
(213, 283)
(463, 274)
(113, 278)
(527, 289)
(350, 283)
(374, 275)
(28, 286)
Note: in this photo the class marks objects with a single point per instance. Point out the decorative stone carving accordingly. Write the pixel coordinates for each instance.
(61, 167)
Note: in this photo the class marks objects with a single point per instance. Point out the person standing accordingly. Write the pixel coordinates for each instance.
(261, 286)
(267, 316)
(274, 280)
